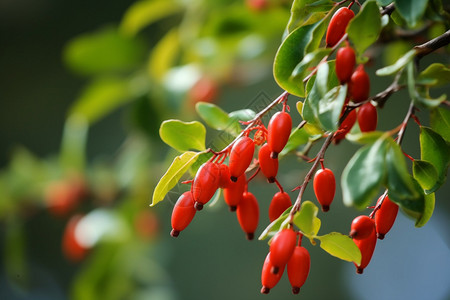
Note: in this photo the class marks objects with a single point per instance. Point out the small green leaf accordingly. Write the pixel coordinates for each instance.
(183, 136)
(437, 73)
(435, 150)
(340, 246)
(312, 59)
(217, 119)
(440, 122)
(306, 219)
(411, 11)
(364, 137)
(428, 211)
(364, 29)
(297, 138)
(425, 173)
(178, 167)
(401, 63)
(145, 12)
(242, 115)
(330, 107)
(364, 174)
(275, 226)
(305, 12)
(427, 101)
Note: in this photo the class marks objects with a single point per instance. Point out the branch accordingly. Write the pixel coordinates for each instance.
(401, 133)
(432, 45)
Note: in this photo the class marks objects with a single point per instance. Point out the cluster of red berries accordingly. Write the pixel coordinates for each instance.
(231, 178)
(285, 251)
(365, 229)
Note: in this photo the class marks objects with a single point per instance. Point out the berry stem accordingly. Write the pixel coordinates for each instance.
(279, 185)
(377, 207)
(401, 133)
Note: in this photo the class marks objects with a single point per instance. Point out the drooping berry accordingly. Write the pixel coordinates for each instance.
(338, 25)
(268, 279)
(71, 246)
(281, 248)
(367, 117)
(362, 227)
(359, 85)
(248, 214)
(183, 213)
(298, 268)
(279, 129)
(385, 217)
(233, 193)
(345, 127)
(345, 63)
(280, 202)
(240, 157)
(324, 187)
(224, 178)
(367, 247)
(205, 184)
(268, 165)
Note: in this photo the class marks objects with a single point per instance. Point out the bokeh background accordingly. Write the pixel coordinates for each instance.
(48, 68)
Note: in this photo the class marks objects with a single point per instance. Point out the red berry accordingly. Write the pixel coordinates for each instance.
(367, 117)
(234, 191)
(63, 196)
(241, 156)
(71, 246)
(324, 187)
(183, 213)
(204, 90)
(281, 248)
(224, 176)
(279, 130)
(345, 127)
(362, 227)
(248, 214)
(366, 246)
(268, 279)
(268, 165)
(338, 25)
(280, 202)
(298, 268)
(385, 217)
(205, 184)
(359, 85)
(345, 63)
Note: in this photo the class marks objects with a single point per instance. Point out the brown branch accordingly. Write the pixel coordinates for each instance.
(432, 45)
(401, 133)
(388, 10)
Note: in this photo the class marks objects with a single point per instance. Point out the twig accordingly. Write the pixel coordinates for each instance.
(432, 45)
(401, 133)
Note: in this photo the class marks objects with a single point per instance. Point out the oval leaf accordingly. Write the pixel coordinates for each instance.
(411, 11)
(425, 173)
(440, 122)
(216, 118)
(305, 218)
(183, 136)
(436, 73)
(398, 65)
(275, 226)
(340, 246)
(428, 211)
(435, 150)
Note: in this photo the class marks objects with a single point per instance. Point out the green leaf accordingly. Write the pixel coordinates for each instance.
(306, 219)
(425, 173)
(183, 136)
(164, 55)
(242, 115)
(384, 2)
(312, 59)
(435, 150)
(427, 101)
(217, 119)
(101, 97)
(297, 138)
(310, 110)
(436, 73)
(411, 11)
(330, 107)
(103, 51)
(364, 29)
(177, 169)
(401, 63)
(440, 122)
(364, 174)
(305, 12)
(428, 211)
(276, 225)
(340, 246)
(364, 137)
(146, 12)
(73, 145)
(289, 54)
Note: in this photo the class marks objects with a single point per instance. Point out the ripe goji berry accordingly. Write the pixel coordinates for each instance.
(224, 176)
(362, 227)
(248, 214)
(324, 187)
(233, 193)
(345, 63)
(281, 248)
(280, 202)
(279, 130)
(359, 85)
(298, 268)
(241, 156)
(367, 117)
(345, 127)
(268, 165)
(367, 247)
(205, 184)
(338, 25)
(385, 217)
(183, 213)
(268, 279)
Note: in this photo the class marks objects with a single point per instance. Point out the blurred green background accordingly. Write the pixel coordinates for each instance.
(57, 53)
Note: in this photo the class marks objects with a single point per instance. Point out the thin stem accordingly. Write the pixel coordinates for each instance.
(402, 131)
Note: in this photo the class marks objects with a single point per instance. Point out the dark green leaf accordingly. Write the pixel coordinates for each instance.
(425, 173)
(428, 211)
(411, 11)
(435, 150)
(183, 136)
(364, 174)
(216, 118)
(309, 61)
(340, 246)
(384, 2)
(401, 63)
(276, 225)
(330, 107)
(437, 73)
(440, 122)
(305, 12)
(364, 29)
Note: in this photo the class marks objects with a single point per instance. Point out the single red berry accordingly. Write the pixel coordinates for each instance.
(362, 227)
(268, 279)
(268, 165)
(345, 63)
(233, 193)
(205, 184)
(248, 214)
(385, 217)
(338, 25)
(279, 130)
(324, 187)
(224, 176)
(345, 127)
(183, 213)
(280, 202)
(359, 85)
(241, 156)
(367, 117)
(367, 247)
(71, 246)
(281, 248)
(298, 268)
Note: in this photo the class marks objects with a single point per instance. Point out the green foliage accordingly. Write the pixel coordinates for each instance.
(411, 11)
(183, 136)
(217, 119)
(340, 246)
(399, 64)
(305, 12)
(440, 122)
